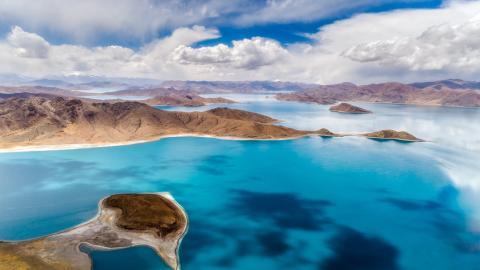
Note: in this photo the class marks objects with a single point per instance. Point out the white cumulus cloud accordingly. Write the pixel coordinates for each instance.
(245, 54)
(28, 44)
(444, 46)
(402, 45)
(89, 20)
(285, 11)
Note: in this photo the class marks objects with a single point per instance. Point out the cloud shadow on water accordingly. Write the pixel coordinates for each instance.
(284, 210)
(451, 225)
(354, 250)
(412, 205)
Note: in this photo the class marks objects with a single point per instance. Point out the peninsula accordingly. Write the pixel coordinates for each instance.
(51, 122)
(124, 220)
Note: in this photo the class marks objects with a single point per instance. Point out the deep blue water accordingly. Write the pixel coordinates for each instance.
(312, 203)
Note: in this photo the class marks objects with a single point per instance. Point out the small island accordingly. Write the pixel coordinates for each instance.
(348, 108)
(124, 220)
(389, 134)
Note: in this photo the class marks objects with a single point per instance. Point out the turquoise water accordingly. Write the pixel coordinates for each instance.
(311, 203)
(126, 259)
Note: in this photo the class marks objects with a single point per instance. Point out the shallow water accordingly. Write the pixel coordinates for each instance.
(311, 203)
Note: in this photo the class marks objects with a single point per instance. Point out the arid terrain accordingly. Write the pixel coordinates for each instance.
(46, 120)
(30, 121)
(189, 100)
(124, 220)
(392, 135)
(347, 108)
(431, 94)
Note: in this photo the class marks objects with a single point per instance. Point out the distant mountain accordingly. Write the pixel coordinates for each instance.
(89, 79)
(386, 93)
(77, 82)
(451, 92)
(149, 92)
(13, 79)
(38, 90)
(188, 100)
(49, 83)
(235, 86)
(448, 84)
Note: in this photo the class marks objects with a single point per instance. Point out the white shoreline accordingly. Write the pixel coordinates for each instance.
(100, 209)
(61, 147)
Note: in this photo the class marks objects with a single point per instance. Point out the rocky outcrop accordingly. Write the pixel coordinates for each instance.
(242, 115)
(392, 135)
(348, 108)
(189, 100)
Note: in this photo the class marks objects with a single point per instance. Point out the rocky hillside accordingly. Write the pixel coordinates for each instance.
(386, 93)
(41, 120)
(389, 134)
(347, 108)
(242, 115)
(190, 100)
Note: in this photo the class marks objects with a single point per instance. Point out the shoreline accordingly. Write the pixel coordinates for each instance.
(337, 111)
(62, 147)
(109, 220)
(386, 103)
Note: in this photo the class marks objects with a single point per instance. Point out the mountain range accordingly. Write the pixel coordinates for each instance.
(451, 92)
(442, 93)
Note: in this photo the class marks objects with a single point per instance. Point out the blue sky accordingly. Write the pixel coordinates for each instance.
(284, 32)
(321, 41)
(287, 33)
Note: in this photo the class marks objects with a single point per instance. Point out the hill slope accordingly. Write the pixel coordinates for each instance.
(40, 120)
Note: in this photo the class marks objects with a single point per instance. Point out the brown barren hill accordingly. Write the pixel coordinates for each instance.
(348, 108)
(189, 100)
(392, 135)
(146, 212)
(43, 121)
(29, 122)
(242, 115)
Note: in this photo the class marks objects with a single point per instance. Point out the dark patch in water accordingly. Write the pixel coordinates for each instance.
(451, 225)
(127, 172)
(413, 205)
(217, 159)
(224, 262)
(273, 243)
(353, 250)
(199, 239)
(214, 164)
(283, 209)
(210, 170)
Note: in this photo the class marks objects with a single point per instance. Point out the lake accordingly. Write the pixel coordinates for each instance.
(311, 203)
